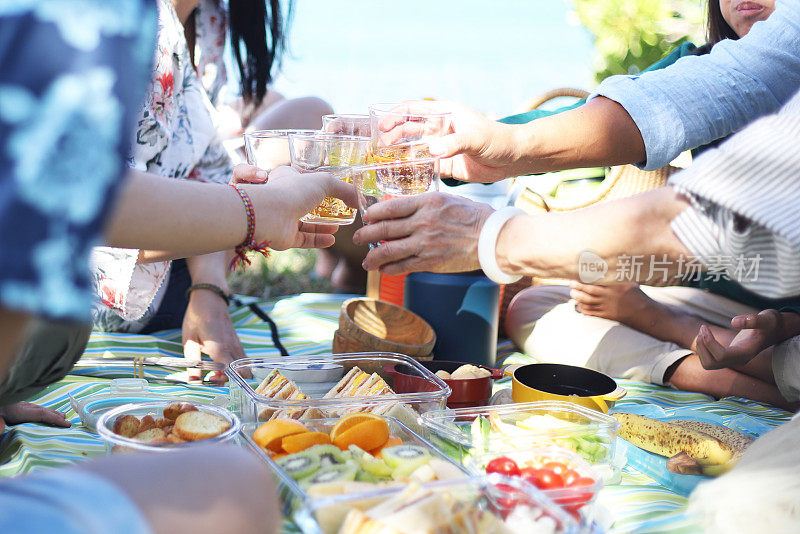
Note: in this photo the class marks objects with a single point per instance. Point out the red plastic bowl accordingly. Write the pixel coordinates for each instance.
(466, 393)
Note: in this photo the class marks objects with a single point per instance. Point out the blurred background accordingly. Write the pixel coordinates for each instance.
(490, 55)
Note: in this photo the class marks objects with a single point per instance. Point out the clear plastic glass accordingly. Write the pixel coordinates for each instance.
(267, 149)
(346, 124)
(331, 153)
(317, 374)
(396, 133)
(468, 432)
(506, 499)
(577, 501)
(117, 443)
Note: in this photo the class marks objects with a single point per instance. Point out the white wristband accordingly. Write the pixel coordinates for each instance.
(487, 244)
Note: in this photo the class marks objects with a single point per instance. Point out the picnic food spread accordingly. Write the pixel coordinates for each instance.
(692, 447)
(356, 383)
(181, 422)
(421, 511)
(358, 449)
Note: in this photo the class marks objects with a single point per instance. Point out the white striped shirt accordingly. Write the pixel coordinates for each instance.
(746, 203)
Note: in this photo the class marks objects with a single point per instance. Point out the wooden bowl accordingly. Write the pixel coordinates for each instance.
(375, 326)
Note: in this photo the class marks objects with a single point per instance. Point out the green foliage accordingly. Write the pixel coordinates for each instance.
(283, 273)
(630, 35)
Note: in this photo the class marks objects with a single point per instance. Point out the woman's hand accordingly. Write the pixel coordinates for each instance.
(472, 147)
(27, 412)
(288, 195)
(207, 327)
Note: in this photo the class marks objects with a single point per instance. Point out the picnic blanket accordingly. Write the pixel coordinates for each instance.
(306, 324)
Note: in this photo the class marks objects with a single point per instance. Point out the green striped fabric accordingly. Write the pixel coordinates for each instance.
(306, 324)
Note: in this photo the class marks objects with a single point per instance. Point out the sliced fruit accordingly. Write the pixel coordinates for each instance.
(349, 421)
(332, 473)
(393, 441)
(304, 440)
(405, 459)
(299, 465)
(270, 434)
(366, 435)
(376, 467)
(328, 454)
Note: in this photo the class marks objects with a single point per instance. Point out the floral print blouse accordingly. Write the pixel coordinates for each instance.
(176, 138)
(72, 75)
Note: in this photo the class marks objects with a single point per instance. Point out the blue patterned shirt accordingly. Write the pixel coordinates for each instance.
(72, 76)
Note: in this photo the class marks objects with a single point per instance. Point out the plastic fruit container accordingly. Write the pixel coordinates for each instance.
(293, 493)
(519, 505)
(314, 376)
(577, 500)
(468, 432)
(118, 443)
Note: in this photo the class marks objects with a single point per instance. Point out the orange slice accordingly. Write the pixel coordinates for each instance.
(302, 441)
(270, 434)
(393, 441)
(349, 421)
(366, 435)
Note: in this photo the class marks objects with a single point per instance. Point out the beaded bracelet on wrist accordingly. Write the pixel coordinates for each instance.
(249, 243)
(209, 287)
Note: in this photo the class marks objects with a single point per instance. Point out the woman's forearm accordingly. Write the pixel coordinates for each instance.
(599, 133)
(625, 240)
(165, 215)
(210, 269)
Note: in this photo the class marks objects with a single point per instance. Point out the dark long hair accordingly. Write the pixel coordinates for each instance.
(717, 28)
(255, 50)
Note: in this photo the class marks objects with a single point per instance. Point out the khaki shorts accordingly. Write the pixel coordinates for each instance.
(786, 368)
(543, 321)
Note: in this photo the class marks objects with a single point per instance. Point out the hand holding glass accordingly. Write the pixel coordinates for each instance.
(322, 152)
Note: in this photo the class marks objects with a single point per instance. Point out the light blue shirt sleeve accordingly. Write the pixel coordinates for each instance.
(67, 502)
(703, 98)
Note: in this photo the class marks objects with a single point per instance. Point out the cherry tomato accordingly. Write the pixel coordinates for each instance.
(504, 466)
(581, 481)
(544, 479)
(570, 476)
(556, 467)
(509, 498)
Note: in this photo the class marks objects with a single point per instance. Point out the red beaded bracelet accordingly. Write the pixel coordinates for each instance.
(249, 243)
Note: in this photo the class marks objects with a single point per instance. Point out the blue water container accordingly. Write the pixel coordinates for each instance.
(462, 308)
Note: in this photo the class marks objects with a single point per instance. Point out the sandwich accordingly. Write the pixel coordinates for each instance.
(278, 387)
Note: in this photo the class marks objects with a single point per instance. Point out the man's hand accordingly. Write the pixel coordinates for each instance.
(756, 333)
(27, 412)
(429, 232)
(207, 327)
(288, 195)
(472, 147)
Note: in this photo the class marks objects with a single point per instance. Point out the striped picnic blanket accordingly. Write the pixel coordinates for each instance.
(306, 324)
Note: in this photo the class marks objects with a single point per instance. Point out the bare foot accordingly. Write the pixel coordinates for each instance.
(625, 303)
(27, 412)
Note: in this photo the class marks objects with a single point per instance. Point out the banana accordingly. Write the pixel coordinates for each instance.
(666, 439)
(737, 441)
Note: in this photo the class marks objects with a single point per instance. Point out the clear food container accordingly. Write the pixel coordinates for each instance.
(317, 375)
(293, 494)
(468, 432)
(576, 499)
(118, 443)
(482, 503)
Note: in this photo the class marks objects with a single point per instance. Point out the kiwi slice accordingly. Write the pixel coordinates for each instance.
(331, 473)
(327, 454)
(404, 459)
(376, 467)
(299, 464)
